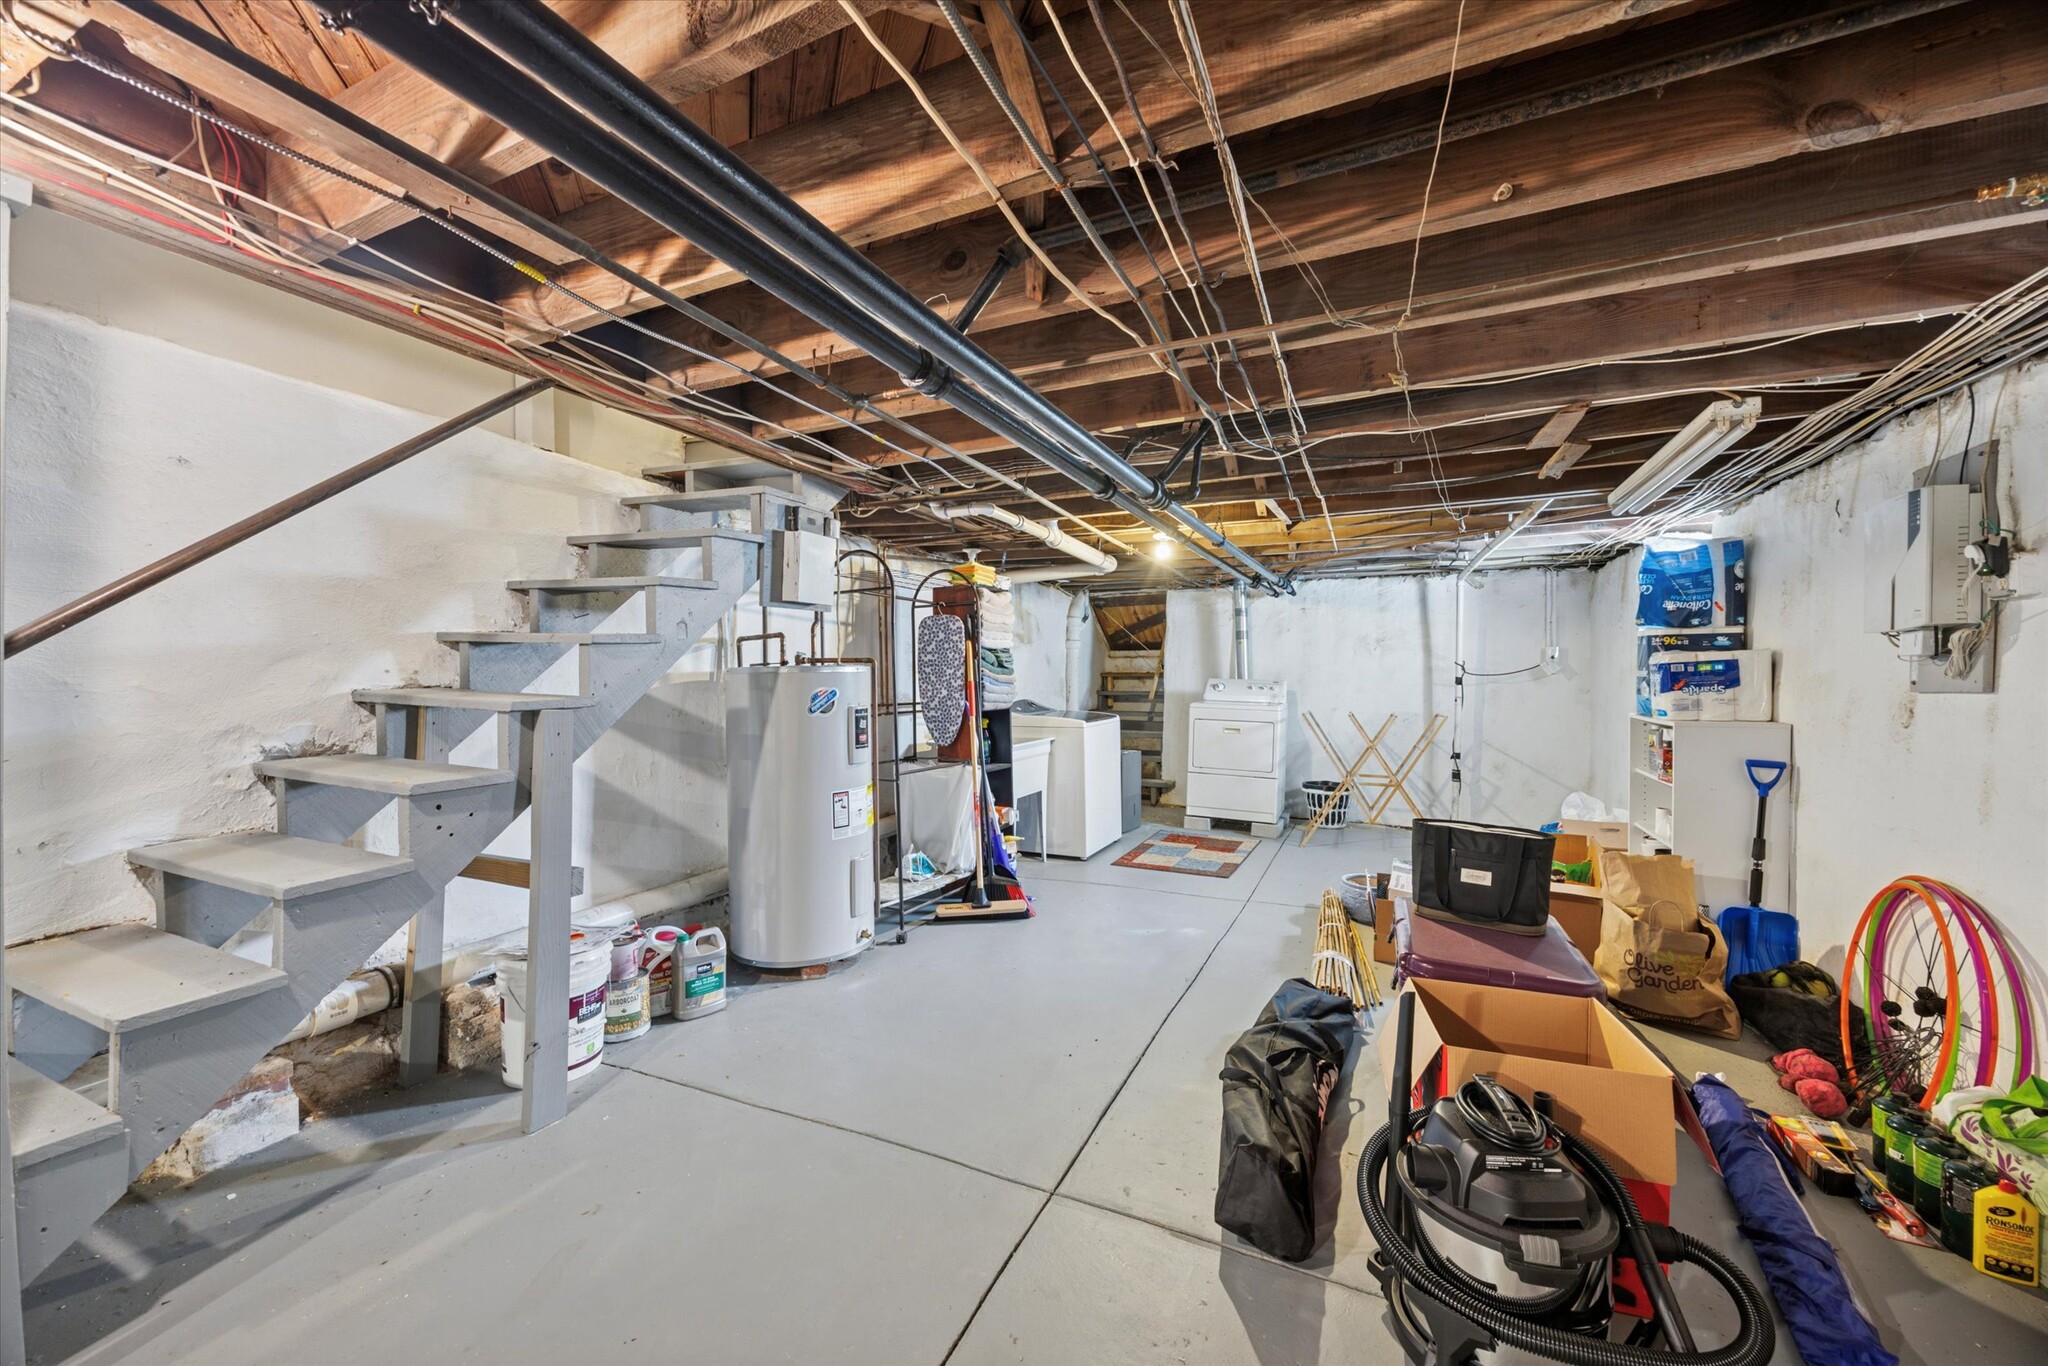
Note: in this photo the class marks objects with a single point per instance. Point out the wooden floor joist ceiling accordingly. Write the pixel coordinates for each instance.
(1449, 259)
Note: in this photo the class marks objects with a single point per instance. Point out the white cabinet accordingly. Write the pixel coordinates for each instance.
(1703, 806)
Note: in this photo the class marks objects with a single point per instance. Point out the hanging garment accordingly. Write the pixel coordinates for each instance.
(942, 675)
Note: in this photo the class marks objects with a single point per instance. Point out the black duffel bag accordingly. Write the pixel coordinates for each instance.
(1277, 1080)
(1493, 876)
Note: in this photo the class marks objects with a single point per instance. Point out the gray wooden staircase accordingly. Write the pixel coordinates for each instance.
(254, 928)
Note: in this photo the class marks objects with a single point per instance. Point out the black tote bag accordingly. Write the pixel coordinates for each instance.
(1493, 876)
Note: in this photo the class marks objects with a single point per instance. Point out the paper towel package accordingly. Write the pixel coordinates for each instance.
(1735, 685)
(1650, 644)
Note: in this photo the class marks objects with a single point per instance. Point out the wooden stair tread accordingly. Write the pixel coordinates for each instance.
(664, 540)
(46, 1120)
(121, 977)
(616, 583)
(381, 773)
(269, 864)
(468, 699)
(546, 638)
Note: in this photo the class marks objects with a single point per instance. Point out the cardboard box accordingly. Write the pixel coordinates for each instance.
(1607, 834)
(1576, 909)
(1610, 1089)
(1383, 931)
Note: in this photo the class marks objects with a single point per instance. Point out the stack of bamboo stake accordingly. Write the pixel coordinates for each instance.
(1339, 966)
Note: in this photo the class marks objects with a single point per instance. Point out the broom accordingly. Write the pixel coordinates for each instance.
(978, 905)
(1337, 966)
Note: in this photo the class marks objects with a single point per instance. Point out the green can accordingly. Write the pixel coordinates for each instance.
(1932, 1151)
(1898, 1153)
(1960, 1182)
(1881, 1111)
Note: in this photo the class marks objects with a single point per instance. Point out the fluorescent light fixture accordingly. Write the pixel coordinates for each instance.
(1700, 440)
(1517, 524)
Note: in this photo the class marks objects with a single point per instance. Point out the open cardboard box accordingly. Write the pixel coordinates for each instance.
(1575, 906)
(1383, 914)
(1610, 1089)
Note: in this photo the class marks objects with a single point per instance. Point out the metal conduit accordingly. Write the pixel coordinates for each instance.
(907, 336)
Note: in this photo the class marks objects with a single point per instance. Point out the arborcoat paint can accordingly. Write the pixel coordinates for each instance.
(625, 1002)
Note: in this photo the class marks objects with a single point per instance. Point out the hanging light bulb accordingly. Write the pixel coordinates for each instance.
(1162, 546)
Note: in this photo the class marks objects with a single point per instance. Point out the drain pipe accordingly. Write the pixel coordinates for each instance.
(789, 253)
(1098, 562)
(1240, 631)
(1080, 615)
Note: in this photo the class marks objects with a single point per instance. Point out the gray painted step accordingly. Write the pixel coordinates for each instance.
(544, 638)
(623, 583)
(663, 540)
(276, 866)
(120, 977)
(711, 500)
(467, 699)
(380, 773)
(47, 1120)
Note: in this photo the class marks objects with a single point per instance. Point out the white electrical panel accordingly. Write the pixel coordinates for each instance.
(1917, 575)
(803, 569)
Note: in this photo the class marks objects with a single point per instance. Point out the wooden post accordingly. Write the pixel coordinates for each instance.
(550, 755)
(419, 1016)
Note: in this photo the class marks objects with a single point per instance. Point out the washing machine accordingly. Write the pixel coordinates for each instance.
(1084, 775)
(1237, 754)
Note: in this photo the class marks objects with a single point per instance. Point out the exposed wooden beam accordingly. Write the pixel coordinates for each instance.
(1895, 284)
(680, 49)
(1568, 455)
(1020, 83)
(1974, 63)
(877, 168)
(1559, 427)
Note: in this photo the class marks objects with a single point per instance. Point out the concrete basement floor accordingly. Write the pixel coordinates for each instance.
(994, 1143)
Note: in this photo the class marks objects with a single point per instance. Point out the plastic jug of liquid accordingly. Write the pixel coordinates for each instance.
(700, 975)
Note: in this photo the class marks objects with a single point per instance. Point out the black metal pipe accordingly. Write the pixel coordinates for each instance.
(474, 74)
(178, 561)
(539, 42)
(1005, 260)
(1192, 446)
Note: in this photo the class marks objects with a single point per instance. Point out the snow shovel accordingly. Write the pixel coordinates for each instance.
(1759, 940)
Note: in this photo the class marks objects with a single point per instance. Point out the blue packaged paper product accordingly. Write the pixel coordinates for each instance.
(1692, 585)
(1712, 687)
(1652, 643)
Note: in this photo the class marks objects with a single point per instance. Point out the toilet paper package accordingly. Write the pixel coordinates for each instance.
(1693, 584)
(1650, 644)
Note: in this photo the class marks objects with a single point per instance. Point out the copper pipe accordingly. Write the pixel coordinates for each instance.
(128, 585)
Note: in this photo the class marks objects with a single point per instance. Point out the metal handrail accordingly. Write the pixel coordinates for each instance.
(128, 585)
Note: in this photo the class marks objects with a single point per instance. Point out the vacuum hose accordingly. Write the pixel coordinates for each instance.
(1754, 1341)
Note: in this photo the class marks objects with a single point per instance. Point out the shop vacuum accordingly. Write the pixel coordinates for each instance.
(1497, 1230)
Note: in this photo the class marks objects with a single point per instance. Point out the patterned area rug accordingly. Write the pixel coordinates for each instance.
(1182, 852)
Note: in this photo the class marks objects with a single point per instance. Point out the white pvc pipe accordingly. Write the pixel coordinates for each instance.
(1078, 619)
(1050, 536)
(365, 993)
(1240, 631)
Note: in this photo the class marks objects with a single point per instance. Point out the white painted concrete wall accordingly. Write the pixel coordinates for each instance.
(64, 264)
(1889, 781)
(1374, 646)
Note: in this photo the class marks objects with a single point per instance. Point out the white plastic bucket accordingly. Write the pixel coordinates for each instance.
(659, 957)
(590, 970)
(700, 975)
(625, 1000)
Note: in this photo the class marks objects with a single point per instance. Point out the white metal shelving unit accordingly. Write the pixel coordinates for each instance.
(1705, 808)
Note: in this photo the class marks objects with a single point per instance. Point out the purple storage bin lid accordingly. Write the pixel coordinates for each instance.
(1445, 952)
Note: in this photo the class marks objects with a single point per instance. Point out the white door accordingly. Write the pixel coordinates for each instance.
(1232, 745)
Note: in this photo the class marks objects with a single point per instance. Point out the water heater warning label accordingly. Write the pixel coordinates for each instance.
(852, 812)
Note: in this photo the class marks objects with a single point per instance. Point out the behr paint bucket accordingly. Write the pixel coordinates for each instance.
(660, 960)
(590, 970)
(700, 976)
(625, 999)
